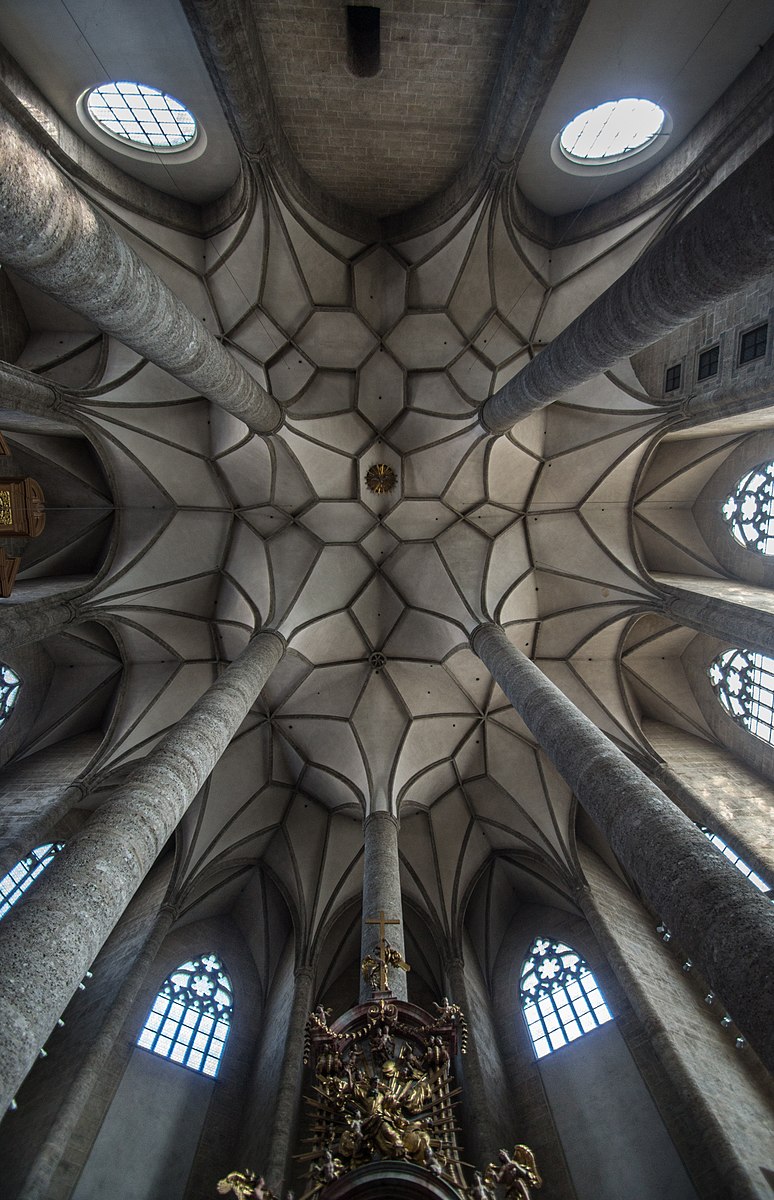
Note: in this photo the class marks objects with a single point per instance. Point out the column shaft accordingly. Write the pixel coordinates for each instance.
(25, 621)
(288, 1097)
(726, 243)
(55, 239)
(38, 1183)
(381, 893)
(729, 400)
(726, 926)
(25, 392)
(49, 943)
(748, 628)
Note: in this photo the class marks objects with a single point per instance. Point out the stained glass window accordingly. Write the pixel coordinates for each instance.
(748, 509)
(734, 858)
(744, 684)
(9, 692)
(15, 883)
(559, 996)
(144, 116)
(191, 1016)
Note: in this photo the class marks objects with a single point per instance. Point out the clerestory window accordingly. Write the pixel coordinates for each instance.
(743, 682)
(560, 998)
(9, 692)
(190, 1018)
(23, 875)
(748, 510)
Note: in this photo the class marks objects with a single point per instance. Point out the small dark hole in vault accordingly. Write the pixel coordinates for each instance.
(363, 39)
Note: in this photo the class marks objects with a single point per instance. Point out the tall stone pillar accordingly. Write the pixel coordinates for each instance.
(51, 940)
(728, 400)
(288, 1097)
(486, 1122)
(28, 393)
(726, 243)
(25, 621)
(381, 894)
(743, 626)
(54, 238)
(726, 927)
(38, 1185)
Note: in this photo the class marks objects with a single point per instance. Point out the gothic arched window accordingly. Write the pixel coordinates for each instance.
(191, 1015)
(749, 509)
(559, 996)
(744, 684)
(9, 691)
(15, 883)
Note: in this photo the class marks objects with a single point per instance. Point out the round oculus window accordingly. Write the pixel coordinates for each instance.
(615, 130)
(141, 116)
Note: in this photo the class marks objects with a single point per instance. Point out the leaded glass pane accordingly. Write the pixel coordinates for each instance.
(19, 878)
(190, 1018)
(559, 996)
(9, 692)
(748, 509)
(734, 858)
(133, 112)
(743, 682)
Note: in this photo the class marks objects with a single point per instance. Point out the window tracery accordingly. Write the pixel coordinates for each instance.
(749, 509)
(190, 1018)
(9, 692)
(743, 682)
(19, 878)
(560, 998)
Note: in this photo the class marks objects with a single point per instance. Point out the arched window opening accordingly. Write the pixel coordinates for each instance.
(744, 684)
(19, 878)
(749, 509)
(559, 996)
(363, 39)
(191, 1016)
(734, 858)
(9, 692)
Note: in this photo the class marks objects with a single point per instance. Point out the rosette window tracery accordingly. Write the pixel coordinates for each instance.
(743, 682)
(749, 510)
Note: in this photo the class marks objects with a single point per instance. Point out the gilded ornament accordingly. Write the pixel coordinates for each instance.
(380, 479)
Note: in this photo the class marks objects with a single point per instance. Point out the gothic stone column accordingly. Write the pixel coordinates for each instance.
(726, 243)
(37, 1186)
(55, 239)
(748, 628)
(25, 621)
(288, 1098)
(381, 893)
(726, 927)
(48, 944)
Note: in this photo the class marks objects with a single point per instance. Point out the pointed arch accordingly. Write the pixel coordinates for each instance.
(190, 1019)
(559, 996)
(743, 682)
(9, 692)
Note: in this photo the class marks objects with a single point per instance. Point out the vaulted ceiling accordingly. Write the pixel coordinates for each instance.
(381, 352)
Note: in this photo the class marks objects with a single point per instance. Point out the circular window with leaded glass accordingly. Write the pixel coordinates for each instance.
(139, 119)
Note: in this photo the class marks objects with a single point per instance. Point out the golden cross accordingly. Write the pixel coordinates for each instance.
(381, 921)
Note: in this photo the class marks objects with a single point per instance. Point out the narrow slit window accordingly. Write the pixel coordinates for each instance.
(672, 378)
(190, 1018)
(735, 860)
(23, 875)
(364, 39)
(753, 344)
(560, 998)
(709, 361)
